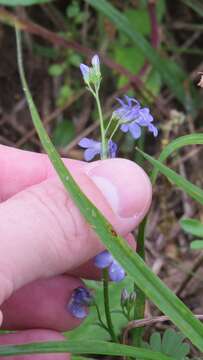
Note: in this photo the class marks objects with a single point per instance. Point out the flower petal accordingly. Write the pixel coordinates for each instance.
(96, 63)
(116, 272)
(77, 310)
(124, 128)
(153, 129)
(135, 130)
(82, 296)
(86, 143)
(103, 260)
(90, 153)
(112, 148)
(85, 70)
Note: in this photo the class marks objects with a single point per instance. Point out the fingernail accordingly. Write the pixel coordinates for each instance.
(124, 184)
(80, 299)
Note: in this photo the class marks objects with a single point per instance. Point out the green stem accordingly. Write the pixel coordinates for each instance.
(101, 120)
(108, 126)
(114, 131)
(107, 305)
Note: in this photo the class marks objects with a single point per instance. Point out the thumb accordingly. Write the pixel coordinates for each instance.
(43, 233)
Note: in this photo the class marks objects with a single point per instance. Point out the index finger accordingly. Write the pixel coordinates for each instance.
(21, 169)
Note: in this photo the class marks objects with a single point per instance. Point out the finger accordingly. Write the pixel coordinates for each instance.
(30, 336)
(42, 304)
(21, 169)
(44, 234)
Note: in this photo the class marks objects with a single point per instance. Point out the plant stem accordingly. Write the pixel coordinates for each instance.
(107, 305)
(101, 120)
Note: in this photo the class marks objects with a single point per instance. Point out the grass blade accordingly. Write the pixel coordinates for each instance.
(76, 347)
(192, 139)
(144, 278)
(192, 190)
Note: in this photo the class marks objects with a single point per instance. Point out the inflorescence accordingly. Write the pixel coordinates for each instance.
(128, 117)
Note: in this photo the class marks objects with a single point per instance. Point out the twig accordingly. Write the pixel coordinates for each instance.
(148, 321)
(197, 263)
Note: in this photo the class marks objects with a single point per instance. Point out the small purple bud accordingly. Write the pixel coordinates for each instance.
(124, 297)
(103, 260)
(96, 64)
(116, 272)
(85, 70)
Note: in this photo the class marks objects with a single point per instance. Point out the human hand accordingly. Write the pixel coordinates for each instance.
(46, 245)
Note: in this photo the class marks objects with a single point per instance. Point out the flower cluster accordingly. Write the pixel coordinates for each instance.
(106, 260)
(94, 148)
(81, 298)
(132, 117)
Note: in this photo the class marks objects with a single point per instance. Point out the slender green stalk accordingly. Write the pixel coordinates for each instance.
(108, 126)
(101, 120)
(114, 131)
(107, 305)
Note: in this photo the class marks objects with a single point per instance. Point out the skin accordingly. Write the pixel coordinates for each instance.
(46, 246)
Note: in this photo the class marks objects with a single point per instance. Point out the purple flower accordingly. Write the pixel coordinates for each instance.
(94, 148)
(106, 260)
(91, 74)
(79, 301)
(133, 117)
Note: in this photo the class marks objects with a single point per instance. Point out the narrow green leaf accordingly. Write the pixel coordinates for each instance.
(144, 278)
(23, 2)
(192, 190)
(192, 139)
(163, 66)
(197, 245)
(192, 226)
(195, 5)
(78, 347)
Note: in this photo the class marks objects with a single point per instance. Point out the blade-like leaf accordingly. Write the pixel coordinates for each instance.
(197, 245)
(192, 226)
(163, 66)
(192, 190)
(195, 5)
(144, 278)
(79, 347)
(23, 2)
(192, 139)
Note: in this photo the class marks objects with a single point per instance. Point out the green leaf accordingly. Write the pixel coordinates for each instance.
(63, 133)
(23, 2)
(193, 139)
(192, 226)
(144, 278)
(163, 66)
(195, 5)
(79, 347)
(171, 344)
(192, 190)
(197, 245)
